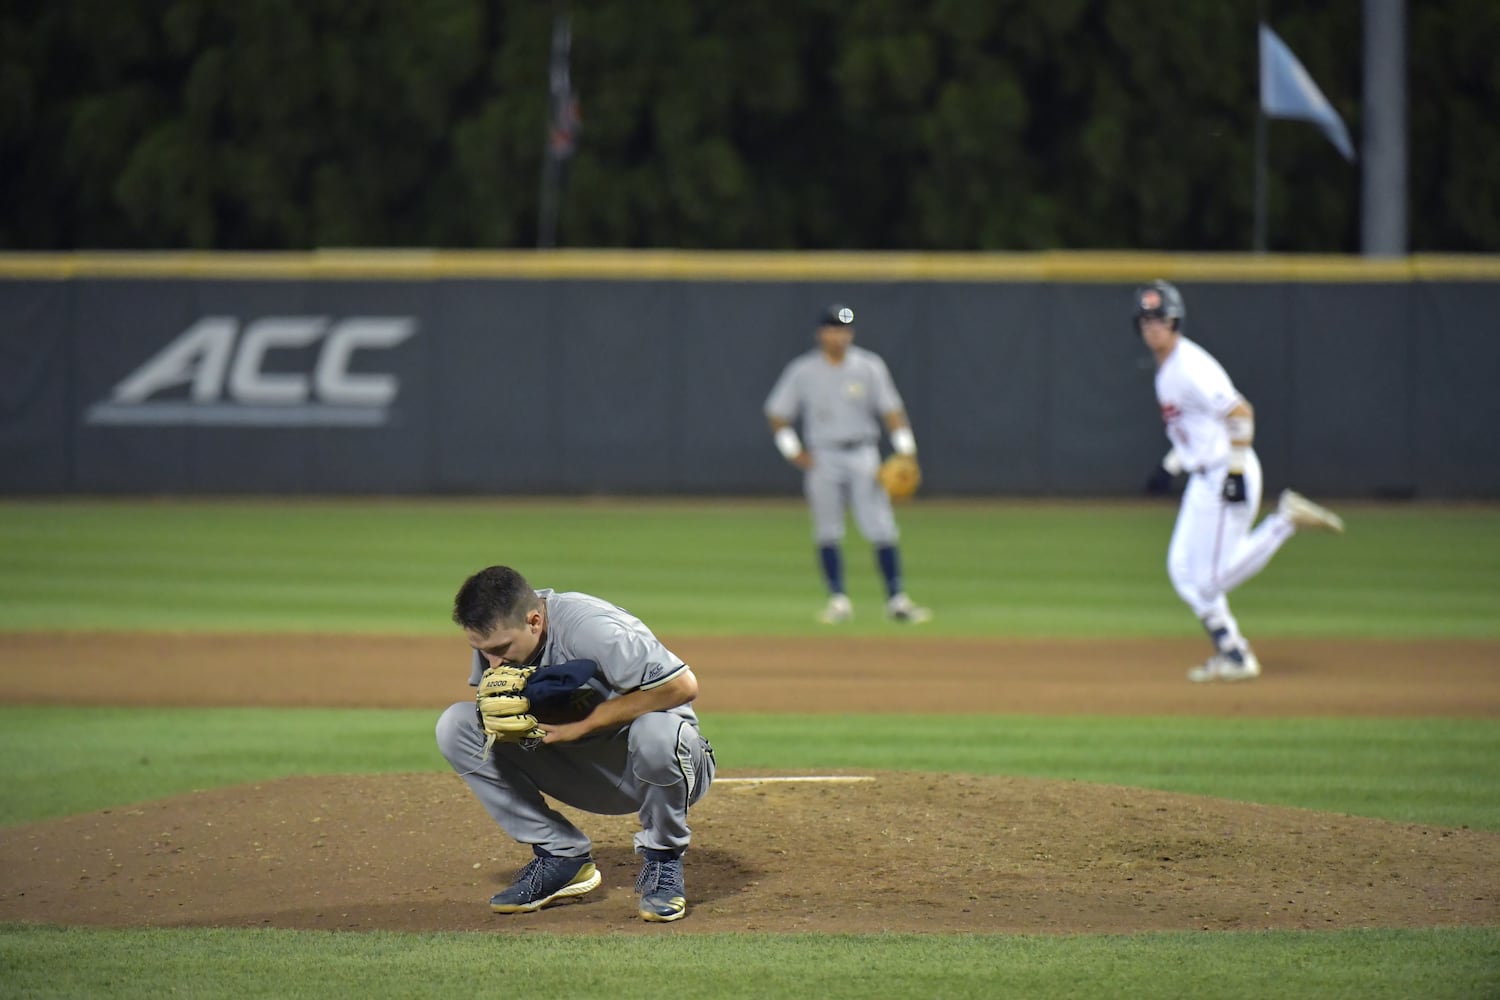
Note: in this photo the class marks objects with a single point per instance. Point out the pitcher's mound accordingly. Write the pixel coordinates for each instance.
(901, 852)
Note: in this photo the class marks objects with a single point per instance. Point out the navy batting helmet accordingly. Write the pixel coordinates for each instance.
(1158, 300)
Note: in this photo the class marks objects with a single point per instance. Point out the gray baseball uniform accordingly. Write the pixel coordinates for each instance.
(840, 406)
(656, 766)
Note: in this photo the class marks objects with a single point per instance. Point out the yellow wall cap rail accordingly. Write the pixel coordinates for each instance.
(674, 265)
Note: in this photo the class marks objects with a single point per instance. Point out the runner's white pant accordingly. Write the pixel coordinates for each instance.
(1213, 548)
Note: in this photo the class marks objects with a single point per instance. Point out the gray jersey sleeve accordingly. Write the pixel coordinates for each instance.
(884, 396)
(630, 656)
(785, 401)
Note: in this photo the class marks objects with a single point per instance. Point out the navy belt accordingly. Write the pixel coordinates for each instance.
(849, 445)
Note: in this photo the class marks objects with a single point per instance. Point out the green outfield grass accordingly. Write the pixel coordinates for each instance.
(67, 760)
(715, 567)
(60, 761)
(1371, 965)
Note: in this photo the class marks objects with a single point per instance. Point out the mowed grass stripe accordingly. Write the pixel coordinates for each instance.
(717, 567)
(149, 963)
(60, 760)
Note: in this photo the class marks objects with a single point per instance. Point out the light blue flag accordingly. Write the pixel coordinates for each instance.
(1287, 91)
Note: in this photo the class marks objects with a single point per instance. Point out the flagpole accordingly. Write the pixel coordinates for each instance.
(546, 229)
(1260, 178)
(1258, 238)
(1287, 90)
(547, 199)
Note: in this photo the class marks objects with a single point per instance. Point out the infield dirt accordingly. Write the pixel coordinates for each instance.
(893, 851)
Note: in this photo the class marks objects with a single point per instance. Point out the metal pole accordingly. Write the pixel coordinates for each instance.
(559, 91)
(1262, 139)
(1383, 196)
(546, 227)
(1260, 180)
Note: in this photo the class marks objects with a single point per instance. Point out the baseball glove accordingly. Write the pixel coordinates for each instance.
(900, 475)
(504, 710)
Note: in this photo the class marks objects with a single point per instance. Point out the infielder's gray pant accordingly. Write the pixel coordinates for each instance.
(657, 767)
(845, 479)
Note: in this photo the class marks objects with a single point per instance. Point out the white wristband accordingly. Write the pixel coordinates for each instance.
(1241, 434)
(1241, 430)
(903, 441)
(788, 443)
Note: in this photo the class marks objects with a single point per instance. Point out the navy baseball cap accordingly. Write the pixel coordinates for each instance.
(837, 315)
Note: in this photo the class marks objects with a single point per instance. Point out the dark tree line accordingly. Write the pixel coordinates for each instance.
(753, 124)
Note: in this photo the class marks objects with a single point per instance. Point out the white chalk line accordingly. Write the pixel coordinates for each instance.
(814, 777)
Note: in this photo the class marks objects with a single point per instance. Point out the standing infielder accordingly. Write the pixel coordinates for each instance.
(633, 747)
(843, 394)
(1211, 427)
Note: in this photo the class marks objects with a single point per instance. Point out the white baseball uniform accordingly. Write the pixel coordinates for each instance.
(1213, 548)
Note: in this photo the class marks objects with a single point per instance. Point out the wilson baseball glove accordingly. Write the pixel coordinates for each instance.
(504, 710)
(900, 475)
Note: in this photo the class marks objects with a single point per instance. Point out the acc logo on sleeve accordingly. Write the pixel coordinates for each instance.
(223, 367)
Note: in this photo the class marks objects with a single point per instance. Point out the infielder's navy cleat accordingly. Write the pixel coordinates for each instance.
(546, 880)
(663, 895)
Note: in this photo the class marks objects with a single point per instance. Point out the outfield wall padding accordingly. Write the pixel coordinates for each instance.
(654, 385)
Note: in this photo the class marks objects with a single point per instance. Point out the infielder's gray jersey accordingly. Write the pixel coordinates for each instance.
(840, 405)
(630, 657)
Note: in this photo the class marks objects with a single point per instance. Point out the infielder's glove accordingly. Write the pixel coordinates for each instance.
(900, 475)
(504, 710)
